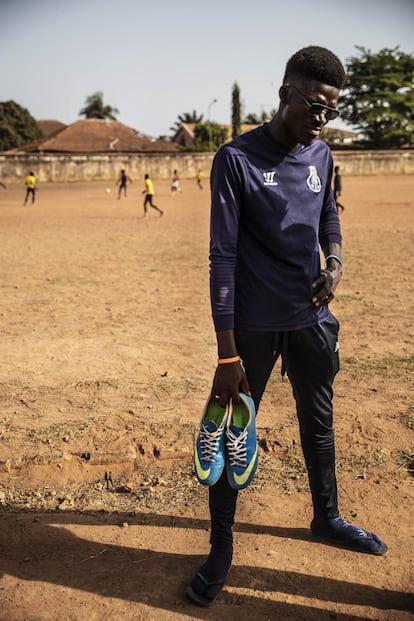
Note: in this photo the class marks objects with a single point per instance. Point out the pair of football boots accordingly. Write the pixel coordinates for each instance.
(227, 440)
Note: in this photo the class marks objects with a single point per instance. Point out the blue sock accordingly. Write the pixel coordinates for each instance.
(210, 578)
(339, 530)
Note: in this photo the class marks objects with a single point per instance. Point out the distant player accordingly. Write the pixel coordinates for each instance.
(149, 194)
(175, 183)
(337, 188)
(199, 177)
(123, 180)
(30, 187)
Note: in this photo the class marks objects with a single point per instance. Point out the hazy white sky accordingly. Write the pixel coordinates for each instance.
(155, 59)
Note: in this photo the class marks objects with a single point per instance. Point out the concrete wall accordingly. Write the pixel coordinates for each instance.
(375, 162)
(64, 168)
(72, 168)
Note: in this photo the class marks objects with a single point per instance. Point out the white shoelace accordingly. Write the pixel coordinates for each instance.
(236, 448)
(209, 442)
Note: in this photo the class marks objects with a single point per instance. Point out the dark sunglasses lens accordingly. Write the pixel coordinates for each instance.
(331, 115)
(317, 109)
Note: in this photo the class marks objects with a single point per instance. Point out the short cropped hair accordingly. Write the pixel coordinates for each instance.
(316, 63)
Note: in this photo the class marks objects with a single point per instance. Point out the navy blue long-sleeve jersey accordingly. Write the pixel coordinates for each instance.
(272, 210)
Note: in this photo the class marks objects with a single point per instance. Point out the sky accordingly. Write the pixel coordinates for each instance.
(157, 59)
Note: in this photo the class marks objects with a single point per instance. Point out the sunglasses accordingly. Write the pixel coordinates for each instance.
(317, 108)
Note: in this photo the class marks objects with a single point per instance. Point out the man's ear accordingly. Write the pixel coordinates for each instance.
(283, 93)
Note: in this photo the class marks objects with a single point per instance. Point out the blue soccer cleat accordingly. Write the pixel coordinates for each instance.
(241, 443)
(209, 450)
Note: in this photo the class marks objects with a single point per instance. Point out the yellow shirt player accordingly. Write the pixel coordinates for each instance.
(30, 187)
(199, 178)
(149, 193)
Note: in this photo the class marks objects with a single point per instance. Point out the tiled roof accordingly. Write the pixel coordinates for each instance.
(97, 136)
(50, 126)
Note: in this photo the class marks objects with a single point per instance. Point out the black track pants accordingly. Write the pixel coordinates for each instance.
(311, 359)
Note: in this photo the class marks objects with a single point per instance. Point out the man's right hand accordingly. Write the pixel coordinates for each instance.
(229, 380)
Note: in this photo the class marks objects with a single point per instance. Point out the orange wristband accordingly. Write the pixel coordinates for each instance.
(228, 360)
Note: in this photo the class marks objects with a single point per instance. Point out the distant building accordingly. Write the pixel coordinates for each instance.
(184, 136)
(48, 127)
(97, 136)
(339, 137)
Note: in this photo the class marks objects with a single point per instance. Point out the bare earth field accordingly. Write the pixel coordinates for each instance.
(107, 354)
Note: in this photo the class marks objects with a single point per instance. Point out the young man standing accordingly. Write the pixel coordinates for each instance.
(272, 210)
(122, 182)
(30, 187)
(337, 188)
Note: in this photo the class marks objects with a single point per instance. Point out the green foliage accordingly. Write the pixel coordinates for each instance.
(96, 109)
(235, 111)
(378, 98)
(17, 126)
(186, 117)
(208, 135)
(259, 119)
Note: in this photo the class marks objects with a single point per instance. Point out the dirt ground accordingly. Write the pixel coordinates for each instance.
(107, 354)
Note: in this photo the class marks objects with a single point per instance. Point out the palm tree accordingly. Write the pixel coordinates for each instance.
(95, 108)
(187, 117)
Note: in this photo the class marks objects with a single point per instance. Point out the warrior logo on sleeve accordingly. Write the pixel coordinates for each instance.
(269, 178)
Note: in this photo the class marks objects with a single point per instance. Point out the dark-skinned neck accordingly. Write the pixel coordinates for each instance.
(278, 132)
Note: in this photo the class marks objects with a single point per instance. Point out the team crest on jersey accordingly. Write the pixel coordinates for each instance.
(313, 182)
(269, 178)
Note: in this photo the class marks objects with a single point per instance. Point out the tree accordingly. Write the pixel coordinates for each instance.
(235, 111)
(258, 119)
(17, 126)
(378, 98)
(206, 133)
(95, 108)
(186, 117)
